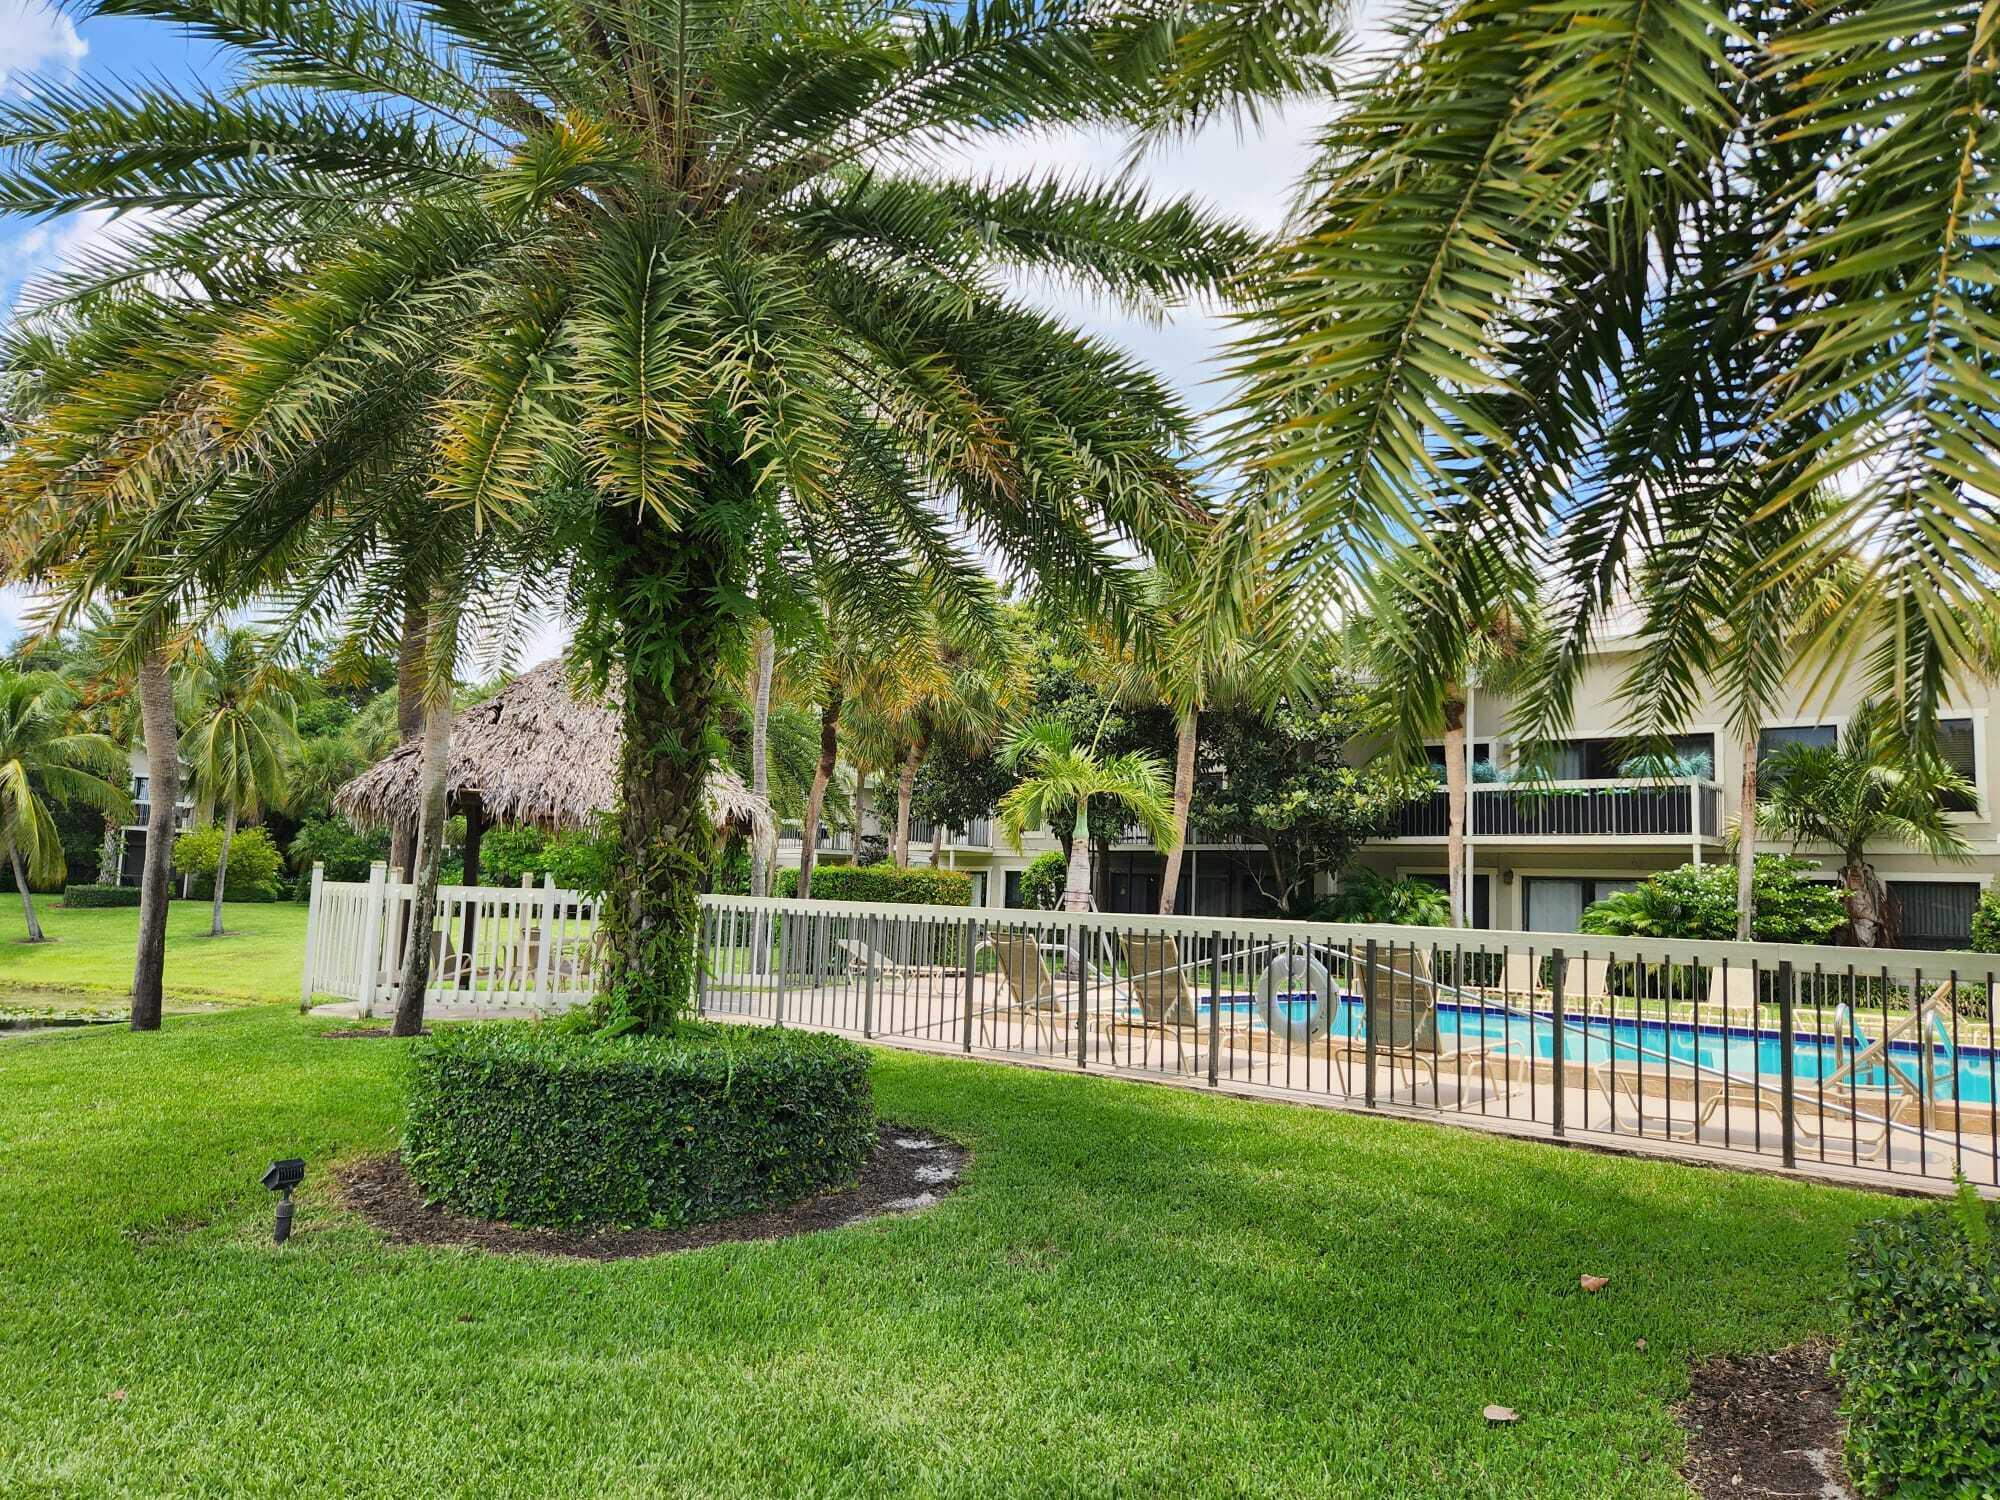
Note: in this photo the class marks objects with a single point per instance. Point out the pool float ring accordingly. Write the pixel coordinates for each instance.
(1293, 974)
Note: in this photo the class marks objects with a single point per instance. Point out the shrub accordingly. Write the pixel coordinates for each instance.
(544, 1124)
(882, 883)
(1368, 896)
(1921, 1362)
(336, 843)
(1699, 901)
(506, 854)
(1043, 881)
(1986, 922)
(100, 895)
(254, 863)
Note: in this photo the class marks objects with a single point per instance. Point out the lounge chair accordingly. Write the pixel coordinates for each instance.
(862, 956)
(1029, 987)
(1402, 1017)
(1154, 999)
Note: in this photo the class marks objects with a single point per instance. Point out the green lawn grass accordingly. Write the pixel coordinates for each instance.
(258, 959)
(1139, 1291)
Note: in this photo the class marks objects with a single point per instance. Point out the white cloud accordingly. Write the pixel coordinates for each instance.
(35, 41)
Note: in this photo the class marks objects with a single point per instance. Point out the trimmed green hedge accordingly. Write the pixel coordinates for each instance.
(924, 887)
(100, 895)
(1921, 1363)
(537, 1124)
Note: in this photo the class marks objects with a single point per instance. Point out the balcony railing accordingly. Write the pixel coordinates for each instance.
(978, 836)
(1574, 809)
(830, 841)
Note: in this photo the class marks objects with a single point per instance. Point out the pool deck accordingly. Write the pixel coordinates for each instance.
(1673, 1111)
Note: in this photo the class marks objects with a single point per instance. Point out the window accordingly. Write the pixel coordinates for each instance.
(1481, 750)
(1557, 904)
(1935, 913)
(1959, 747)
(1770, 741)
(1609, 759)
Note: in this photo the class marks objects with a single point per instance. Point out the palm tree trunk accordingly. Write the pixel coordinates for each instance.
(111, 853)
(671, 661)
(1076, 878)
(163, 776)
(860, 807)
(937, 843)
(222, 870)
(1868, 915)
(829, 756)
(430, 855)
(27, 901)
(1184, 748)
(906, 786)
(1455, 796)
(760, 752)
(1746, 841)
(409, 720)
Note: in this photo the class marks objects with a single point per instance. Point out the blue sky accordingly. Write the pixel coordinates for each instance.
(1248, 177)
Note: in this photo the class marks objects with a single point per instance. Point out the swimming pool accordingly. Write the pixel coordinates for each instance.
(1736, 1051)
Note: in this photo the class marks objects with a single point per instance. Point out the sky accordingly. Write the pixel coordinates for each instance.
(1248, 176)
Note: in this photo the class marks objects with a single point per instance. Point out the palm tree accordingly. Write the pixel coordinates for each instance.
(237, 708)
(1443, 622)
(1861, 793)
(765, 664)
(1057, 776)
(43, 755)
(1583, 269)
(702, 269)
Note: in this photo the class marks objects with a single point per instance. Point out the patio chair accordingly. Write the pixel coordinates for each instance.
(1029, 987)
(1402, 1016)
(1155, 999)
(862, 956)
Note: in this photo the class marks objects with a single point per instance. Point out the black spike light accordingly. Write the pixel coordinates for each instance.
(282, 1177)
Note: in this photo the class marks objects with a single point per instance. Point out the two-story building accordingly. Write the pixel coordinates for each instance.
(1540, 857)
(131, 851)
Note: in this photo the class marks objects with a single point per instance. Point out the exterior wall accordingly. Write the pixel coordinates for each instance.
(134, 858)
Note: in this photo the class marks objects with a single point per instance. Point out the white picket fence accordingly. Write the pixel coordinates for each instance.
(494, 949)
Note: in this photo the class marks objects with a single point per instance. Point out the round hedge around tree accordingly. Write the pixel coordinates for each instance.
(533, 1124)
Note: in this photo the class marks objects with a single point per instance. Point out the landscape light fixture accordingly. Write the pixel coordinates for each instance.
(282, 1177)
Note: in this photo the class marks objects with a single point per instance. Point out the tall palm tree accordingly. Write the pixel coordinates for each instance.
(237, 709)
(1442, 622)
(703, 267)
(43, 754)
(1857, 794)
(1580, 269)
(1057, 775)
(766, 663)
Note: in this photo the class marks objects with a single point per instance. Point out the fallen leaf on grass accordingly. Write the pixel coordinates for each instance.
(1593, 1283)
(1502, 1414)
(117, 1395)
(1640, 1345)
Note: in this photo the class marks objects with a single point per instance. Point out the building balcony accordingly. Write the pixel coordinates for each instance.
(978, 836)
(830, 841)
(1567, 811)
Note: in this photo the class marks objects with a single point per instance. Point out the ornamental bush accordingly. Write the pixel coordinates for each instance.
(923, 887)
(1043, 881)
(78, 896)
(538, 1123)
(1699, 901)
(1921, 1361)
(254, 863)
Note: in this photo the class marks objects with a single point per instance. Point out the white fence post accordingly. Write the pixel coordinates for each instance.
(374, 914)
(308, 971)
(546, 955)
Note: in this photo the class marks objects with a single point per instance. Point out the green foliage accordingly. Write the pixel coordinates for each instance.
(254, 862)
(584, 859)
(1043, 880)
(75, 897)
(1365, 895)
(1699, 901)
(1986, 922)
(912, 887)
(1290, 788)
(345, 850)
(542, 1124)
(506, 854)
(1920, 1365)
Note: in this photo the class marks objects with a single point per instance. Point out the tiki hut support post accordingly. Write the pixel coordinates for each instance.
(475, 830)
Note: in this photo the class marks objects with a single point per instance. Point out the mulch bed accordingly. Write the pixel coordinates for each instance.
(908, 1170)
(1765, 1425)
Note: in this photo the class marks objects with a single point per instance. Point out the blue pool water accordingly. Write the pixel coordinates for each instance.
(1736, 1050)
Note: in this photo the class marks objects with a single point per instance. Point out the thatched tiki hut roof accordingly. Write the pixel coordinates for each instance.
(532, 754)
